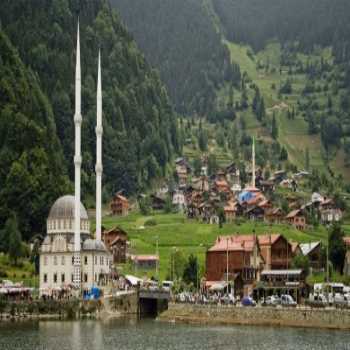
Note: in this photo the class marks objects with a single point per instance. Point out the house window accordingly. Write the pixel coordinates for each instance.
(85, 260)
(45, 277)
(63, 278)
(85, 277)
(63, 260)
(55, 278)
(55, 260)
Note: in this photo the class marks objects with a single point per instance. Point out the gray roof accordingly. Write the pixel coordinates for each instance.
(307, 248)
(93, 244)
(63, 208)
(282, 272)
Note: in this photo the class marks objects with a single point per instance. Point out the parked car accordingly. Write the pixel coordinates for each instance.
(167, 285)
(248, 301)
(272, 300)
(228, 299)
(287, 300)
(341, 300)
(317, 300)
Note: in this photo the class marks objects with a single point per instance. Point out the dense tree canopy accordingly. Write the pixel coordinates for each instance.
(37, 104)
(180, 37)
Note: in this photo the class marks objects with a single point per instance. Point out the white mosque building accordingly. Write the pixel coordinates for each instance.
(69, 256)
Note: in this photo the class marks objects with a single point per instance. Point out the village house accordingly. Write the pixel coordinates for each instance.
(329, 212)
(119, 205)
(241, 254)
(272, 282)
(179, 200)
(230, 210)
(297, 219)
(274, 215)
(115, 240)
(313, 251)
(157, 202)
(276, 250)
(146, 262)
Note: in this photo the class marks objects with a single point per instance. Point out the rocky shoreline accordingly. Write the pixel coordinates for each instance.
(258, 316)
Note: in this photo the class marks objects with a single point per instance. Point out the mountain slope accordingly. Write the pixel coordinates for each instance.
(37, 107)
(32, 172)
(140, 127)
(180, 38)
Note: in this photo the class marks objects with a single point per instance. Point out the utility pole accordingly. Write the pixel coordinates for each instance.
(227, 265)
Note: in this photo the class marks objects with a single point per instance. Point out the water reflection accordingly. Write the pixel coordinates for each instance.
(127, 334)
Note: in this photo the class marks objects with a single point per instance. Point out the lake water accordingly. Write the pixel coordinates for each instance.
(147, 335)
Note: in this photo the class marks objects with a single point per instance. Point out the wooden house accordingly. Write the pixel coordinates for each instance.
(313, 251)
(119, 205)
(274, 215)
(115, 241)
(276, 251)
(297, 219)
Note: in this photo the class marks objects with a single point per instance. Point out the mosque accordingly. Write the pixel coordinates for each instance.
(69, 256)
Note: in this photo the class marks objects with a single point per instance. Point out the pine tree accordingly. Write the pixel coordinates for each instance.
(15, 240)
(274, 128)
(307, 159)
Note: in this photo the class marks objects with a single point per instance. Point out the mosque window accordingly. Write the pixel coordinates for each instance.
(85, 260)
(55, 260)
(55, 278)
(63, 260)
(85, 277)
(63, 277)
(45, 260)
(45, 277)
(95, 260)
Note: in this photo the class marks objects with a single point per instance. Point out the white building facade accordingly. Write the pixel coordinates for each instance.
(57, 250)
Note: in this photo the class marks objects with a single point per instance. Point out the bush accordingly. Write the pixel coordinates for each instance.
(151, 222)
(3, 273)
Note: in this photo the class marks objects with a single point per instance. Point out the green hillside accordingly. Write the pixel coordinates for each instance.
(174, 231)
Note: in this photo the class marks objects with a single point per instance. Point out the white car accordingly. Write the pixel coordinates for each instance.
(273, 300)
(287, 300)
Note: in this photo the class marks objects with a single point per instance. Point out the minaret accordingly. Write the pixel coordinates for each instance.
(77, 165)
(253, 163)
(99, 132)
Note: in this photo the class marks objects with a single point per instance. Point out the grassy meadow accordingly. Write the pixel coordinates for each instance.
(174, 231)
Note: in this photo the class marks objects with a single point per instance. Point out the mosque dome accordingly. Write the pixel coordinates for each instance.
(61, 217)
(63, 208)
(93, 244)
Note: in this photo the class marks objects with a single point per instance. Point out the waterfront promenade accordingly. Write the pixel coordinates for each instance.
(301, 316)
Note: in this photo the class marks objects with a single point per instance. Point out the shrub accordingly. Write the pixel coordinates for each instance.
(151, 222)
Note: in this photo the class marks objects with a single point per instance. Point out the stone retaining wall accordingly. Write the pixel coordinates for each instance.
(264, 316)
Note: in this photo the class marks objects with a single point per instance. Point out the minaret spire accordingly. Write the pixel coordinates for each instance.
(77, 166)
(99, 168)
(253, 163)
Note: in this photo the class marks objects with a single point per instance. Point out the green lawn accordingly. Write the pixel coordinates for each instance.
(190, 236)
(23, 272)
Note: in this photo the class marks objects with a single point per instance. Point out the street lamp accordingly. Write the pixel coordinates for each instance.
(157, 261)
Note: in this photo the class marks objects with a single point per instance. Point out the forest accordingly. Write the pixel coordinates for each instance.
(37, 59)
(179, 37)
